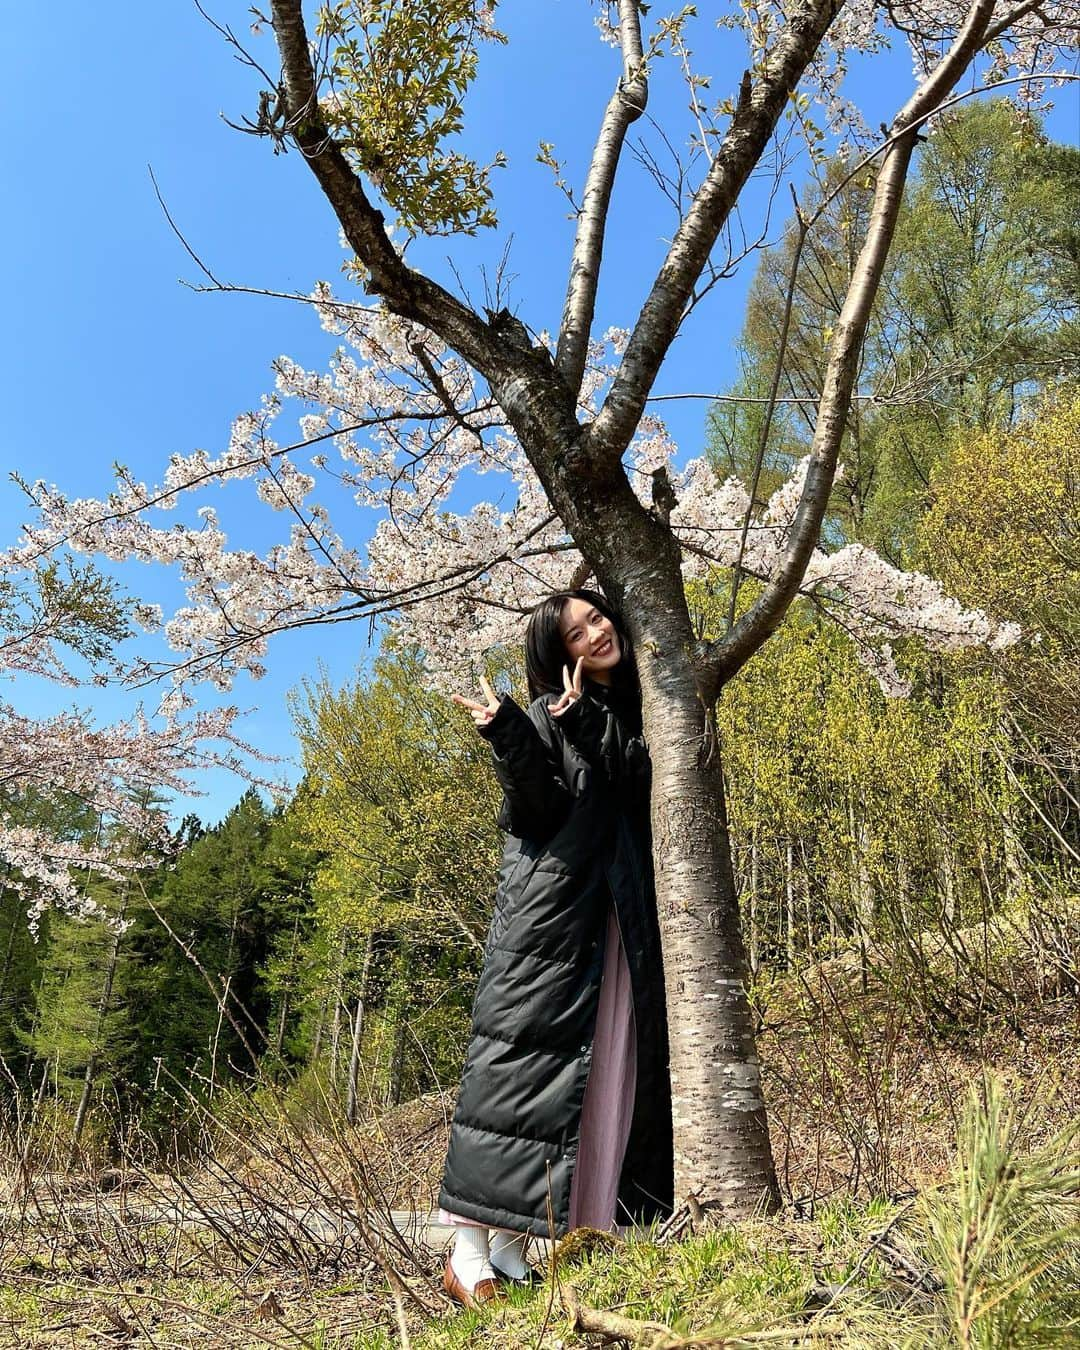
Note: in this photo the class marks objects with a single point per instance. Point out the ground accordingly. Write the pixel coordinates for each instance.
(866, 1074)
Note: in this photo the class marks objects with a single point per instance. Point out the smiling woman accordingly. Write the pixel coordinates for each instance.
(590, 639)
(565, 1096)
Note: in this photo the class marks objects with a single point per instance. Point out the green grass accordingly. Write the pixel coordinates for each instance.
(997, 1245)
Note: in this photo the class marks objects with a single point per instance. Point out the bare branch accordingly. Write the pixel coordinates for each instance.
(754, 121)
(408, 293)
(748, 398)
(727, 655)
(770, 407)
(519, 372)
(1007, 20)
(626, 106)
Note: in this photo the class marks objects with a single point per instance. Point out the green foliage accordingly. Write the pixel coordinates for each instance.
(77, 607)
(24, 962)
(1004, 1233)
(852, 813)
(237, 904)
(399, 793)
(399, 71)
(1003, 531)
(976, 310)
(986, 1261)
(205, 978)
(78, 1021)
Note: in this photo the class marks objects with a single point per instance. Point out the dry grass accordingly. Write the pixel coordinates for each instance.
(280, 1234)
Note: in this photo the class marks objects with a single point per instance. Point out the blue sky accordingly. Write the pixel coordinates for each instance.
(105, 357)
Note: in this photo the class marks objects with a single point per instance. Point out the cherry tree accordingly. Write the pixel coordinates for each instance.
(424, 386)
(62, 626)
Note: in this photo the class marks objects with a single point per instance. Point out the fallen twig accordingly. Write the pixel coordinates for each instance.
(614, 1325)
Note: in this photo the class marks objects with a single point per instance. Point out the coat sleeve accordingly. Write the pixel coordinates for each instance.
(536, 799)
(585, 724)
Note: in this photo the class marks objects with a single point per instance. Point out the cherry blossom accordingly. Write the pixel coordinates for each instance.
(456, 584)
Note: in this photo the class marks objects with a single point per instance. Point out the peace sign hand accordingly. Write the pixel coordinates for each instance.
(571, 690)
(481, 713)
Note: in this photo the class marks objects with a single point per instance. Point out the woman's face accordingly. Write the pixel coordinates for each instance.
(588, 633)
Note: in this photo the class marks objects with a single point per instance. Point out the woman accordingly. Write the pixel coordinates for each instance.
(565, 1100)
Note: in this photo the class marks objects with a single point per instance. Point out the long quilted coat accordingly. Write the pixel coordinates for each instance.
(575, 809)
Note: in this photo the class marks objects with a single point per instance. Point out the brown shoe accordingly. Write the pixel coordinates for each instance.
(485, 1291)
(531, 1277)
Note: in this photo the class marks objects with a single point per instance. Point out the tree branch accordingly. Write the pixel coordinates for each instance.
(626, 106)
(753, 123)
(724, 657)
(801, 228)
(406, 292)
(521, 375)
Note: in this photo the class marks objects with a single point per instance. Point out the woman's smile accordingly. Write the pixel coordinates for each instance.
(589, 634)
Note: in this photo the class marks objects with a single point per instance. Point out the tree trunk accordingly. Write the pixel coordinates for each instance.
(789, 901)
(755, 881)
(396, 1075)
(9, 947)
(357, 1032)
(863, 882)
(1014, 857)
(721, 1134)
(335, 1025)
(803, 874)
(95, 1042)
(861, 893)
(948, 888)
(283, 1014)
(320, 1023)
(222, 1001)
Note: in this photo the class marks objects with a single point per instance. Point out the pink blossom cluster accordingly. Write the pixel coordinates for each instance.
(40, 867)
(114, 771)
(870, 597)
(867, 595)
(407, 421)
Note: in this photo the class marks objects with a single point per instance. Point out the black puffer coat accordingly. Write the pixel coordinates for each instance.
(576, 812)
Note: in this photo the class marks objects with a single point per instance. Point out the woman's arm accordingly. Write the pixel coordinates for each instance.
(536, 799)
(584, 723)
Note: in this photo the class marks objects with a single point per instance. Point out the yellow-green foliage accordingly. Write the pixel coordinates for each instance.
(399, 792)
(869, 809)
(399, 72)
(1003, 532)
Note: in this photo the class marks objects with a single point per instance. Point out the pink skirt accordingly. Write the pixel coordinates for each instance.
(609, 1098)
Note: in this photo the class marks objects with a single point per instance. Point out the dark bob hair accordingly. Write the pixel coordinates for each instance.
(545, 651)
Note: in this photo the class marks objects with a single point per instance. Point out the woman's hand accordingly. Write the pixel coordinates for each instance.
(571, 689)
(481, 713)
